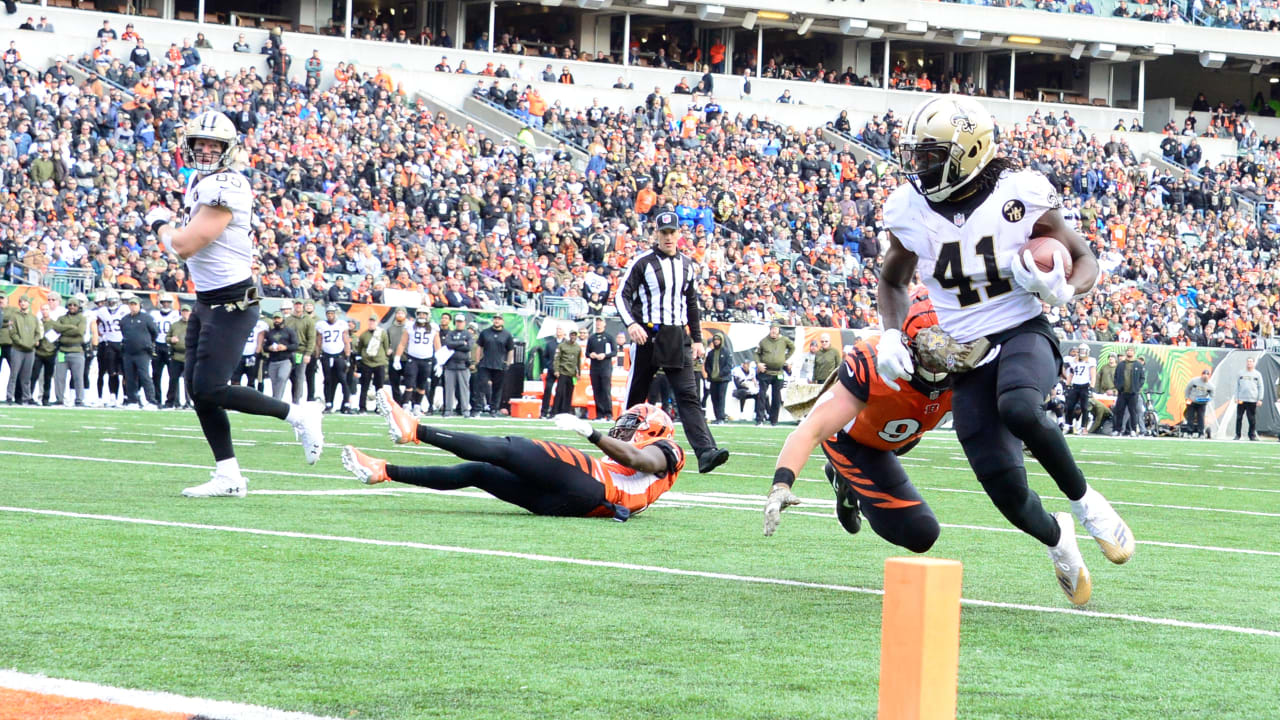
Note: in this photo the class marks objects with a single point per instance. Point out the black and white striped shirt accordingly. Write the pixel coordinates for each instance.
(660, 290)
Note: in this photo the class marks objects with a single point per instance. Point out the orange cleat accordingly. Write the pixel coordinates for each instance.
(401, 425)
(368, 470)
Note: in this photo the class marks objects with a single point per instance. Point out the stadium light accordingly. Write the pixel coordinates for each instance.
(916, 26)
(873, 33)
(804, 26)
(1162, 49)
(967, 38)
(1102, 50)
(1077, 50)
(749, 21)
(1274, 80)
(1256, 67)
(773, 15)
(657, 3)
(551, 3)
(1023, 39)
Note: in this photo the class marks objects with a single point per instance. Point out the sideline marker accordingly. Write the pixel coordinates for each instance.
(920, 639)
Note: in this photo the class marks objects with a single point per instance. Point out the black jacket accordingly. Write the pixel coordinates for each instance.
(139, 334)
(1139, 376)
(283, 335)
(601, 343)
(718, 364)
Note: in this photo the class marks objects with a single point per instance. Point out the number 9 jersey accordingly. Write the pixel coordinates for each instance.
(965, 257)
(892, 419)
(226, 260)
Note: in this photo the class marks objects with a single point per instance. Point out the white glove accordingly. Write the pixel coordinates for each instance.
(397, 364)
(157, 214)
(893, 359)
(1051, 287)
(573, 423)
(780, 498)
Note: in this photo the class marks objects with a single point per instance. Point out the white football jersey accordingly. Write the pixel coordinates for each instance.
(164, 321)
(226, 260)
(1078, 370)
(251, 345)
(109, 322)
(965, 261)
(330, 334)
(421, 343)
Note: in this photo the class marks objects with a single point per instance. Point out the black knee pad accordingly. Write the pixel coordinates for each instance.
(1021, 410)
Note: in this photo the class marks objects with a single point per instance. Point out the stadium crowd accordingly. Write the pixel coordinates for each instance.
(1259, 15)
(361, 190)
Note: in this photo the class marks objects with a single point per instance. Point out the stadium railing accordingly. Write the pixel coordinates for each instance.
(69, 281)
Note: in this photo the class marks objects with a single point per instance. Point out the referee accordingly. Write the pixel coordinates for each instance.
(657, 300)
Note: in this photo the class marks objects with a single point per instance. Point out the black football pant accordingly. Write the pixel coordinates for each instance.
(717, 390)
(548, 392)
(602, 390)
(564, 395)
(137, 374)
(1249, 410)
(542, 477)
(1195, 417)
(999, 407)
(311, 378)
(335, 368)
(376, 375)
(886, 497)
(177, 368)
(110, 357)
(160, 364)
(1078, 397)
(215, 338)
(692, 416)
(42, 376)
(417, 378)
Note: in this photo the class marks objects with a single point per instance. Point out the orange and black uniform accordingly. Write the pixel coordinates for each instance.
(545, 478)
(865, 452)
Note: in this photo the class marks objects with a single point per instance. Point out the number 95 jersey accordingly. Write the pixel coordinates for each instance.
(965, 257)
(892, 419)
(226, 260)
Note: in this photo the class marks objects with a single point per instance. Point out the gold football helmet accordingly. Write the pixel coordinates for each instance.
(946, 142)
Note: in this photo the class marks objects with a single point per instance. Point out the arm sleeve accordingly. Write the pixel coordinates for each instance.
(626, 301)
(673, 454)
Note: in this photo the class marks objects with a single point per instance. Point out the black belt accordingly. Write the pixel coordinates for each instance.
(249, 300)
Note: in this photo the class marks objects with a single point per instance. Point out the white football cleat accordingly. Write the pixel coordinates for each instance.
(1068, 564)
(1105, 525)
(309, 432)
(219, 486)
(368, 470)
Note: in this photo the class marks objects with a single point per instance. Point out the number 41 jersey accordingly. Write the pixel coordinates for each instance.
(965, 260)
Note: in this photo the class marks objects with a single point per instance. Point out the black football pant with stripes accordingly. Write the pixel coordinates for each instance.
(215, 337)
(542, 477)
(693, 417)
(886, 497)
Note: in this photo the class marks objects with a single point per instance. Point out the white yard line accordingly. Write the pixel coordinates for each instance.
(145, 699)
(730, 577)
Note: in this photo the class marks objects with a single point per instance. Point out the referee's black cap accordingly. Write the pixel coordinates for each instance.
(667, 221)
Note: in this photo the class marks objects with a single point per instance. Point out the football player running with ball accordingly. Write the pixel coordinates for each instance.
(962, 222)
(215, 242)
(863, 425)
(642, 461)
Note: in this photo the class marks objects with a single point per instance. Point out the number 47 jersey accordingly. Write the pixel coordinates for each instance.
(892, 418)
(965, 257)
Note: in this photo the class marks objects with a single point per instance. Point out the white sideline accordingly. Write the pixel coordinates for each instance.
(146, 699)
(753, 579)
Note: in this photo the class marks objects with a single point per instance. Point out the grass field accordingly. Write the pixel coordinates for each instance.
(321, 595)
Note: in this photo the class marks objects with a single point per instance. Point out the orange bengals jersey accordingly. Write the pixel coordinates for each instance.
(633, 489)
(891, 419)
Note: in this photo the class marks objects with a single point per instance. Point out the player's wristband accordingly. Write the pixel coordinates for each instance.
(594, 437)
(784, 476)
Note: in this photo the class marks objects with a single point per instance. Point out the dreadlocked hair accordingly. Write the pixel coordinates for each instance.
(990, 175)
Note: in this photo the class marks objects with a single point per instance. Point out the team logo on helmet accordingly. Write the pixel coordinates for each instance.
(962, 123)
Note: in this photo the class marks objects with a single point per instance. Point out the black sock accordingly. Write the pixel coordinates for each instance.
(477, 448)
(1021, 411)
(1009, 492)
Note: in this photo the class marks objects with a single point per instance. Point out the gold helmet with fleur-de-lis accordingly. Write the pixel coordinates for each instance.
(946, 143)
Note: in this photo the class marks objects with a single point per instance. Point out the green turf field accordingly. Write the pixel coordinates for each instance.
(322, 595)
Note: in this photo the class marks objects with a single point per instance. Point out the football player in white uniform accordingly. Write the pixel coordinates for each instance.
(110, 353)
(961, 221)
(215, 242)
(164, 316)
(1081, 372)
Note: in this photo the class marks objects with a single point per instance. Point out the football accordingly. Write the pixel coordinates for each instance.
(1043, 249)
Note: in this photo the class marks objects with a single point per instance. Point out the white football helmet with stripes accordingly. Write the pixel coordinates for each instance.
(209, 125)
